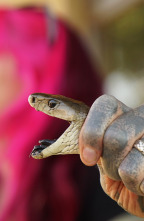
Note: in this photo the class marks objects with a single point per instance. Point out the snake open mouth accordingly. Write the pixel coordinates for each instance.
(46, 143)
(43, 144)
(52, 146)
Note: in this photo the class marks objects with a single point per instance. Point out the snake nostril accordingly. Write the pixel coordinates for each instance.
(33, 100)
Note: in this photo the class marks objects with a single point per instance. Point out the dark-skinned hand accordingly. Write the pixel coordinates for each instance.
(107, 139)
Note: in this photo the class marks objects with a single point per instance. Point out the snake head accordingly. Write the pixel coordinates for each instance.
(58, 106)
(64, 108)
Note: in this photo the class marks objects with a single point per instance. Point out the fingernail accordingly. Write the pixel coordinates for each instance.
(89, 155)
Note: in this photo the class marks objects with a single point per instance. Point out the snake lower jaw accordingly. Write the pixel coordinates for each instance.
(37, 150)
(36, 155)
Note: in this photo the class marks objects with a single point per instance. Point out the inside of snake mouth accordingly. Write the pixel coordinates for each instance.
(43, 144)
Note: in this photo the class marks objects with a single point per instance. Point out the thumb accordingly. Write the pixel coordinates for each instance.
(89, 155)
(102, 113)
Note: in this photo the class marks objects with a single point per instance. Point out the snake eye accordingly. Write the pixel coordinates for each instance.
(52, 103)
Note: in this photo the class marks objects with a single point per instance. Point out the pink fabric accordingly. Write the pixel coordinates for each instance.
(39, 189)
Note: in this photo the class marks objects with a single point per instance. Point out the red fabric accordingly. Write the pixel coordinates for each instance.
(40, 189)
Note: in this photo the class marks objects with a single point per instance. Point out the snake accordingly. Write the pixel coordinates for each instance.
(110, 127)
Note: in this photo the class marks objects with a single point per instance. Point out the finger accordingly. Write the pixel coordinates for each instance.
(120, 138)
(103, 111)
(128, 200)
(131, 171)
(111, 187)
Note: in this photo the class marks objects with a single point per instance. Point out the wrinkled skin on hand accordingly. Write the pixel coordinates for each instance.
(106, 139)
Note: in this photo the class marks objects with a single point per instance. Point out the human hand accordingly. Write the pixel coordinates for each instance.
(107, 139)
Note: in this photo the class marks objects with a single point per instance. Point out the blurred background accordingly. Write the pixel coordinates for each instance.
(77, 48)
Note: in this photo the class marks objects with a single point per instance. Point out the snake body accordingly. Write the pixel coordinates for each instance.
(64, 108)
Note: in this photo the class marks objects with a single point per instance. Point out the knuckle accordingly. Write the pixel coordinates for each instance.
(131, 175)
(126, 174)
